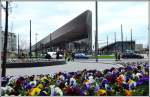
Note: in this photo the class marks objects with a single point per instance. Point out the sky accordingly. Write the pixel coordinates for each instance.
(47, 17)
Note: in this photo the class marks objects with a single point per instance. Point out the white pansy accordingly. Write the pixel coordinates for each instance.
(6, 95)
(133, 75)
(66, 83)
(8, 88)
(3, 90)
(138, 75)
(59, 91)
(33, 83)
(106, 85)
(62, 77)
(122, 76)
(52, 90)
(132, 84)
(91, 80)
(73, 82)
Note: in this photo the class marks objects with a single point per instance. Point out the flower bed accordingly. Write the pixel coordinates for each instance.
(131, 80)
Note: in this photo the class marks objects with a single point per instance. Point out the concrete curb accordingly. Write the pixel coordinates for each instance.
(35, 64)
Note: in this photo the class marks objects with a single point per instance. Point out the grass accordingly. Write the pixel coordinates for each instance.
(105, 57)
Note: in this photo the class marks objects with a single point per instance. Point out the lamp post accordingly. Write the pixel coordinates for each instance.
(115, 40)
(107, 40)
(122, 38)
(30, 53)
(18, 47)
(131, 39)
(50, 43)
(96, 33)
(5, 42)
(36, 44)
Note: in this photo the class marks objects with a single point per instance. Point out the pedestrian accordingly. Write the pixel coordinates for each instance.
(65, 55)
(57, 55)
(73, 56)
(47, 56)
(116, 56)
(69, 56)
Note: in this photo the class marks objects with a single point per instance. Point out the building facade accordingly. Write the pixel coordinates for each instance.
(75, 35)
(138, 47)
(11, 41)
(111, 48)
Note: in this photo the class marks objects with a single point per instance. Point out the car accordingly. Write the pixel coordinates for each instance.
(81, 56)
(53, 55)
(132, 55)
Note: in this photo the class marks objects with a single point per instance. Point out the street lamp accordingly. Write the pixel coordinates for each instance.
(4, 58)
(5, 42)
(96, 33)
(30, 53)
(36, 34)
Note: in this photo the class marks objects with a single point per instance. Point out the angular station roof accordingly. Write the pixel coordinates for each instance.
(78, 28)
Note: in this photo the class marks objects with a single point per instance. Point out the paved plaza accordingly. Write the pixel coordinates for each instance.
(79, 64)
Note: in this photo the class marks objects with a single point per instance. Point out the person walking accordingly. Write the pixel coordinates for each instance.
(73, 56)
(69, 56)
(47, 56)
(65, 55)
(57, 55)
(116, 56)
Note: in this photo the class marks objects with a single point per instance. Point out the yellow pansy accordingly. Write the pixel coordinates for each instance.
(130, 81)
(101, 92)
(36, 77)
(40, 86)
(35, 92)
(58, 77)
(128, 92)
(85, 81)
(43, 78)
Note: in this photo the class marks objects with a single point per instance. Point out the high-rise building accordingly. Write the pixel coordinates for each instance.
(11, 41)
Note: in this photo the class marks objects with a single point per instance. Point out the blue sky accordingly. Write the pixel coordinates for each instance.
(48, 16)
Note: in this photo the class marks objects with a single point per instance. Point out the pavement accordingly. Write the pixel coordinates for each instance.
(79, 64)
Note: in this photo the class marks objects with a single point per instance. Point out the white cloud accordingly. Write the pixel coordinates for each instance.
(48, 16)
(135, 17)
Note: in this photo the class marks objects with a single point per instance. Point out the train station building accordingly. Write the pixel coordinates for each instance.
(75, 35)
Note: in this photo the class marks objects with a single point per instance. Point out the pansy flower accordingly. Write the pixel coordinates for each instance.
(143, 80)
(120, 80)
(43, 93)
(40, 86)
(101, 92)
(131, 84)
(27, 86)
(58, 91)
(72, 82)
(128, 92)
(34, 92)
(33, 83)
(68, 90)
(91, 80)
